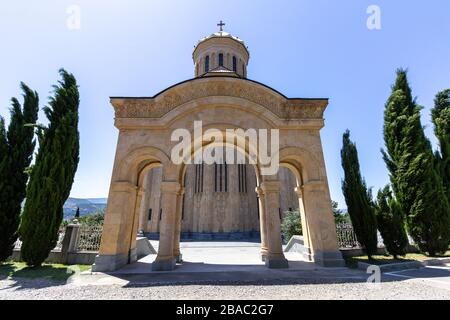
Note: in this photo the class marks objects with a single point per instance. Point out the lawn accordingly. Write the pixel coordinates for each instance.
(56, 272)
(352, 262)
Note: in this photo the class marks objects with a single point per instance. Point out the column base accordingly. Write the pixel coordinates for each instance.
(179, 258)
(164, 264)
(264, 254)
(107, 263)
(133, 256)
(276, 262)
(328, 259)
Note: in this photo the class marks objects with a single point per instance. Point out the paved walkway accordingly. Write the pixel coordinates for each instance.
(216, 257)
(226, 270)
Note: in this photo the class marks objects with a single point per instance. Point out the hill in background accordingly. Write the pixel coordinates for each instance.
(87, 206)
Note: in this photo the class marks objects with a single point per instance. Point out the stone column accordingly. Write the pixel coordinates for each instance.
(115, 244)
(137, 211)
(145, 205)
(165, 259)
(320, 229)
(177, 235)
(275, 256)
(262, 222)
(306, 250)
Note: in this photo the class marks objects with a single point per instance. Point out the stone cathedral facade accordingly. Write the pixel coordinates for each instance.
(152, 194)
(220, 202)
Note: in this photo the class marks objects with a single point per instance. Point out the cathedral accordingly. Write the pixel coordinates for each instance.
(220, 202)
(154, 195)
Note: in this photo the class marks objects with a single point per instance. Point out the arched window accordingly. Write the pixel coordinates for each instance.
(234, 64)
(207, 64)
(199, 170)
(242, 175)
(220, 177)
(220, 59)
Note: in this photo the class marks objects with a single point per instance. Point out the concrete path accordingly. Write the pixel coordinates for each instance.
(217, 257)
(436, 276)
(222, 262)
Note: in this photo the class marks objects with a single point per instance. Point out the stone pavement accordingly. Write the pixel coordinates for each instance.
(219, 262)
(234, 271)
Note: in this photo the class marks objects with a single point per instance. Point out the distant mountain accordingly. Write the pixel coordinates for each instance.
(87, 206)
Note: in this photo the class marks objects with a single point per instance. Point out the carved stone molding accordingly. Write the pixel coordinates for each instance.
(200, 88)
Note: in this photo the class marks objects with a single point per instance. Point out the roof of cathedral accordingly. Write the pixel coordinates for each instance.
(221, 71)
(222, 34)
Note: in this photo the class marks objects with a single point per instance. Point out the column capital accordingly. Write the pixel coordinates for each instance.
(270, 186)
(170, 187)
(182, 191)
(314, 185)
(141, 191)
(123, 186)
(299, 191)
(259, 191)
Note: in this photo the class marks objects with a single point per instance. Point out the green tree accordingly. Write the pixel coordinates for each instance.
(358, 198)
(94, 219)
(291, 225)
(339, 215)
(415, 181)
(16, 152)
(77, 213)
(391, 223)
(53, 173)
(440, 115)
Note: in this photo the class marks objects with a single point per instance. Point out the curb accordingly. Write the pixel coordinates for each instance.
(406, 265)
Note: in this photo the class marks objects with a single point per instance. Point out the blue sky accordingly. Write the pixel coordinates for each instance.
(306, 48)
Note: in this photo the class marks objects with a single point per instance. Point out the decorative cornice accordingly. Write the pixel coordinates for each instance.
(168, 100)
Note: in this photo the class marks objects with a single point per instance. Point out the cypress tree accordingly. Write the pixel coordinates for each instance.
(416, 183)
(53, 173)
(440, 115)
(17, 148)
(391, 223)
(77, 213)
(358, 198)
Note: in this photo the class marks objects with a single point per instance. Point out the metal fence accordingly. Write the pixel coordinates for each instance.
(346, 236)
(89, 238)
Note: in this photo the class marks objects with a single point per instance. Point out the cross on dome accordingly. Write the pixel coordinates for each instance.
(221, 24)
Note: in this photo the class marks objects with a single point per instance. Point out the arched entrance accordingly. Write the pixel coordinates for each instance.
(145, 130)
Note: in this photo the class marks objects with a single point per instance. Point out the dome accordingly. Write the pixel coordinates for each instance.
(222, 34)
(221, 53)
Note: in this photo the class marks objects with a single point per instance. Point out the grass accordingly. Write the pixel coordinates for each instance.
(56, 272)
(352, 262)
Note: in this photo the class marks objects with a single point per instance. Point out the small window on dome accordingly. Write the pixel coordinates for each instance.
(234, 64)
(207, 64)
(221, 59)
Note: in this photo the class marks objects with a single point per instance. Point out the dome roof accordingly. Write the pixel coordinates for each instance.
(222, 34)
(219, 53)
